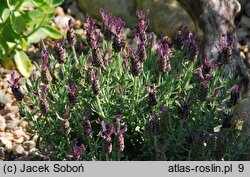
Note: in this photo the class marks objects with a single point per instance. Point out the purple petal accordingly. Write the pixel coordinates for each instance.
(236, 88)
(35, 93)
(122, 131)
(103, 15)
(70, 82)
(148, 89)
(104, 129)
(95, 74)
(44, 92)
(200, 74)
(180, 96)
(208, 77)
(111, 130)
(118, 123)
(70, 24)
(163, 109)
(137, 39)
(190, 98)
(74, 144)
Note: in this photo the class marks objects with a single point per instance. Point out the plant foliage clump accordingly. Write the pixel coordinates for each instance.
(119, 102)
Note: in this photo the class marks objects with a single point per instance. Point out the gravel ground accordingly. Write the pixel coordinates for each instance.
(15, 141)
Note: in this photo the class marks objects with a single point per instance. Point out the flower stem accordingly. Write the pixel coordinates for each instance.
(134, 93)
(99, 106)
(118, 156)
(107, 156)
(74, 52)
(119, 58)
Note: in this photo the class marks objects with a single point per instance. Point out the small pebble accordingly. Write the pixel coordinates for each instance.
(12, 125)
(29, 144)
(19, 140)
(2, 124)
(2, 154)
(33, 151)
(18, 150)
(59, 11)
(18, 133)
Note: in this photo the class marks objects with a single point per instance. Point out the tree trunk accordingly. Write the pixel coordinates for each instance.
(214, 18)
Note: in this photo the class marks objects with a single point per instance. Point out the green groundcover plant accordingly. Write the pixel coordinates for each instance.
(23, 22)
(118, 102)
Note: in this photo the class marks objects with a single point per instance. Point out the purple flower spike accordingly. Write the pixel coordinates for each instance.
(193, 49)
(207, 66)
(59, 51)
(141, 48)
(108, 22)
(70, 33)
(142, 15)
(90, 29)
(106, 136)
(14, 81)
(44, 64)
(152, 125)
(117, 27)
(152, 95)
(45, 61)
(204, 82)
(76, 151)
(119, 135)
(163, 62)
(86, 124)
(44, 106)
(225, 50)
(15, 87)
(184, 111)
(235, 95)
(72, 92)
(135, 63)
(142, 25)
(118, 42)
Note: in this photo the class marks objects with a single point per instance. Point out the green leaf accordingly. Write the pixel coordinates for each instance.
(43, 32)
(7, 62)
(24, 44)
(7, 32)
(52, 31)
(55, 3)
(4, 15)
(20, 21)
(3, 6)
(23, 63)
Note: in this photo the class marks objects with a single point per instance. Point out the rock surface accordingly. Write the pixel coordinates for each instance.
(165, 15)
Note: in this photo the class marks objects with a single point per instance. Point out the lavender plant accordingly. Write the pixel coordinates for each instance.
(168, 105)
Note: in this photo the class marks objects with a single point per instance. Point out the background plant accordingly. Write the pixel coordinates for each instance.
(23, 22)
(116, 102)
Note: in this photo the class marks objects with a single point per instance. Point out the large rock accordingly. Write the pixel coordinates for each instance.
(119, 8)
(165, 15)
(248, 9)
(245, 21)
